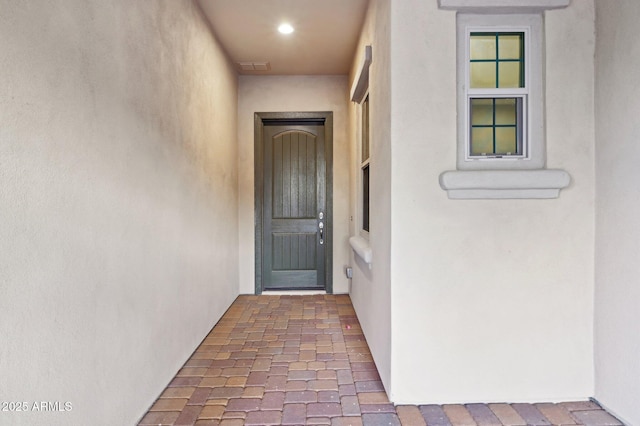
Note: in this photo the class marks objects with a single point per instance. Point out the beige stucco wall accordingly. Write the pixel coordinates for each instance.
(617, 321)
(491, 300)
(292, 94)
(118, 204)
(371, 287)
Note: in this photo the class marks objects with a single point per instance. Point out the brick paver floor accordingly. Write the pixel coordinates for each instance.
(295, 360)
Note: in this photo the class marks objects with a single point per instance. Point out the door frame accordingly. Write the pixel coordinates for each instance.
(324, 117)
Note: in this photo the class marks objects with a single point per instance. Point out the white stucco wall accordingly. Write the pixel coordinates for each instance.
(371, 288)
(617, 321)
(292, 94)
(118, 203)
(491, 300)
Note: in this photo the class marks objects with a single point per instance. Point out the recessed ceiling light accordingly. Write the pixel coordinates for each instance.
(285, 29)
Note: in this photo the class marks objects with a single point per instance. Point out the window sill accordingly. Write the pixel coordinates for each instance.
(362, 248)
(504, 184)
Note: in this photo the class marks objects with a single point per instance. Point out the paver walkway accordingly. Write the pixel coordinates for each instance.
(296, 360)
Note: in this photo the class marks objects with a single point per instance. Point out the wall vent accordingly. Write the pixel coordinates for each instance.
(254, 66)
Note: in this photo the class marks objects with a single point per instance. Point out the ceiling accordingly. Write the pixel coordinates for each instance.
(325, 37)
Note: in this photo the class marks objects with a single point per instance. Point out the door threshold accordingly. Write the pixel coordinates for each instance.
(292, 292)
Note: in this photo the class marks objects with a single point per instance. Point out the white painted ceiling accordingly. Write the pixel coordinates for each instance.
(325, 37)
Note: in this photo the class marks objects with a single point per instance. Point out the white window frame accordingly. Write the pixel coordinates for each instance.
(533, 134)
(521, 93)
(364, 163)
(359, 92)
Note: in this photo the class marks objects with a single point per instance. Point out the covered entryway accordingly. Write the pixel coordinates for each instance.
(293, 154)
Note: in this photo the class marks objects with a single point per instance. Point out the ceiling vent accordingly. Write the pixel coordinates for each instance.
(254, 66)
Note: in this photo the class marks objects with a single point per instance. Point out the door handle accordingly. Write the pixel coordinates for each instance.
(321, 227)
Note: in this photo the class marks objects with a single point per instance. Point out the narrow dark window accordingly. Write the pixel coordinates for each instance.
(365, 198)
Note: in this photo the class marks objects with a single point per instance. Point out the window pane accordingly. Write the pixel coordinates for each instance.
(483, 75)
(510, 46)
(506, 141)
(509, 74)
(483, 46)
(365, 129)
(506, 111)
(496, 60)
(496, 126)
(365, 198)
(481, 112)
(481, 140)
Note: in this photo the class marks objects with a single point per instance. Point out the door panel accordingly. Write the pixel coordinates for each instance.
(294, 175)
(294, 251)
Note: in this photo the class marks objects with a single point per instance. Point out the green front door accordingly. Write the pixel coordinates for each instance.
(293, 169)
(294, 206)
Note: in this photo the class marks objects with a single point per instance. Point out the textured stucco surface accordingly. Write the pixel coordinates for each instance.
(501, 290)
(617, 320)
(470, 300)
(126, 199)
(118, 204)
(292, 94)
(371, 288)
